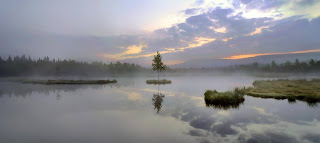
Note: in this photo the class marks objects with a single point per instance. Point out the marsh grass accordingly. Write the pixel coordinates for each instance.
(224, 100)
(292, 90)
(164, 81)
(69, 81)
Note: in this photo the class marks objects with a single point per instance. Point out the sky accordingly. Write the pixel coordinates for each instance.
(181, 30)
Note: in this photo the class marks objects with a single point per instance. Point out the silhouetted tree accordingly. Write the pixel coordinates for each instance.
(157, 64)
(273, 65)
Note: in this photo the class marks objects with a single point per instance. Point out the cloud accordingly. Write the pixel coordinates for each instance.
(130, 52)
(211, 29)
(264, 54)
(199, 2)
(191, 11)
(258, 30)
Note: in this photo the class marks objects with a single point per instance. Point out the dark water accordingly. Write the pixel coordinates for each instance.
(132, 111)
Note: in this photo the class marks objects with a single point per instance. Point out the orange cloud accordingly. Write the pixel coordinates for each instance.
(226, 39)
(199, 41)
(173, 62)
(133, 49)
(219, 30)
(264, 54)
(258, 30)
(136, 49)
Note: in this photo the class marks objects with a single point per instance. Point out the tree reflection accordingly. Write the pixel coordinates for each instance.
(223, 106)
(20, 89)
(58, 97)
(157, 101)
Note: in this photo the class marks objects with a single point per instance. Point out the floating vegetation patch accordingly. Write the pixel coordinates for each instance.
(69, 81)
(164, 81)
(224, 100)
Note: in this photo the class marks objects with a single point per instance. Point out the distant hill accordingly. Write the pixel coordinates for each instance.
(208, 63)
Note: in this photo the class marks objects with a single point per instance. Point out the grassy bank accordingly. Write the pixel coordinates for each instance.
(305, 90)
(69, 81)
(292, 90)
(164, 81)
(224, 100)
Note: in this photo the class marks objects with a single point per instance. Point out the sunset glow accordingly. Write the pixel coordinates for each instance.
(258, 30)
(264, 54)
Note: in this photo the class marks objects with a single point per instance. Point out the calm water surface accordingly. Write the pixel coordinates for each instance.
(132, 111)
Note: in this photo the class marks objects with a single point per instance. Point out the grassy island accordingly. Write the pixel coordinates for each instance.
(69, 81)
(292, 90)
(224, 100)
(164, 81)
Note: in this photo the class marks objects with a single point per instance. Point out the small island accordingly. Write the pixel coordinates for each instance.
(292, 90)
(224, 100)
(164, 81)
(69, 81)
(157, 65)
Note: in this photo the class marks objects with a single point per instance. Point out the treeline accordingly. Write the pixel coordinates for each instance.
(25, 66)
(310, 66)
(296, 66)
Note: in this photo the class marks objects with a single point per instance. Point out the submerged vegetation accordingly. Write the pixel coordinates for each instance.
(224, 100)
(164, 81)
(69, 81)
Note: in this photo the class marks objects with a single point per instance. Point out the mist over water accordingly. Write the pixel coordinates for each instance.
(133, 111)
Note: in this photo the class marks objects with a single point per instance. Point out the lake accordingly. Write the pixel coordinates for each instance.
(132, 111)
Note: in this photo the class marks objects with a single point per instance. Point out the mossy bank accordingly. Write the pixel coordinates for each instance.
(298, 89)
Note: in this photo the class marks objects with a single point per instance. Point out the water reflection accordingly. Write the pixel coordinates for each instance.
(103, 114)
(218, 104)
(157, 100)
(58, 97)
(259, 120)
(311, 101)
(223, 106)
(19, 89)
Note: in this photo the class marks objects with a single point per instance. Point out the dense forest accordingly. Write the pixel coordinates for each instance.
(23, 66)
(26, 66)
(296, 66)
